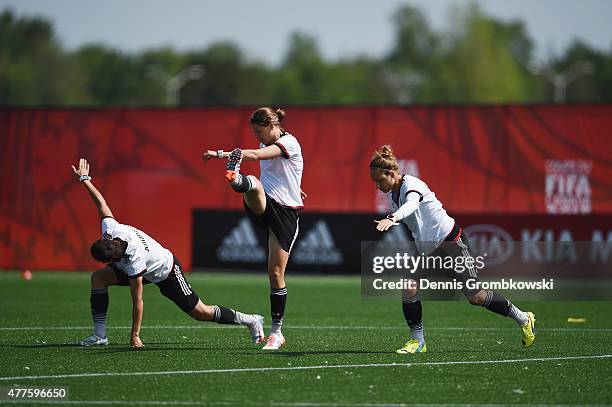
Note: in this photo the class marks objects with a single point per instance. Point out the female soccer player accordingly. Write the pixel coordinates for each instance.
(134, 259)
(416, 205)
(272, 201)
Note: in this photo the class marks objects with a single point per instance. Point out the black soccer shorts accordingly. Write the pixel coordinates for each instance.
(174, 286)
(281, 220)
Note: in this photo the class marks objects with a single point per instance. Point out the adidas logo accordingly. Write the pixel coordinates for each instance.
(241, 245)
(318, 247)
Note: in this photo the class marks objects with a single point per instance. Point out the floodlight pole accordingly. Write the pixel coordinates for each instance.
(173, 84)
(561, 80)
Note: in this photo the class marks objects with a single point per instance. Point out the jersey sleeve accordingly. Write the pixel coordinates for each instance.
(288, 145)
(109, 224)
(410, 205)
(413, 186)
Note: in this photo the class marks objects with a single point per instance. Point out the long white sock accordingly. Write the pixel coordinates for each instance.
(519, 316)
(418, 333)
(244, 319)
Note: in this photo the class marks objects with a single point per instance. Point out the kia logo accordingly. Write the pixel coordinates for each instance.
(491, 240)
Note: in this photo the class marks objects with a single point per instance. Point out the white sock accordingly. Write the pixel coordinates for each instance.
(418, 333)
(276, 328)
(100, 329)
(237, 180)
(519, 316)
(244, 319)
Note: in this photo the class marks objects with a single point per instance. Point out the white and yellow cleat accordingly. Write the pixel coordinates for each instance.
(413, 346)
(528, 330)
(274, 342)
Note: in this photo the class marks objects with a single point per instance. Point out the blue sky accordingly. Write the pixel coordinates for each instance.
(261, 29)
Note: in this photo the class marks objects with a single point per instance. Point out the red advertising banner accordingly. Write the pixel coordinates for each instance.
(146, 162)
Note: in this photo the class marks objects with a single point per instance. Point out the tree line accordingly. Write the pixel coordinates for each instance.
(479, 59)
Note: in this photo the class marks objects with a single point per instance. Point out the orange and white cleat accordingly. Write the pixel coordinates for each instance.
(233, 165)
(274, 342)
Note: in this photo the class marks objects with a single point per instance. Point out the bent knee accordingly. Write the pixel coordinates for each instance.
(202, 312)
(478, 298)
(409, 295)
(99, 277)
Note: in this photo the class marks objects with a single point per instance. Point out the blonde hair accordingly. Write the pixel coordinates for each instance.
(383, 159)
(265, 116)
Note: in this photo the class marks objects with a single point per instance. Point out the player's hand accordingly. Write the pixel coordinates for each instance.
(208, 154)
(303, 194)
(384, 224)
(135, 342)
(83, 168)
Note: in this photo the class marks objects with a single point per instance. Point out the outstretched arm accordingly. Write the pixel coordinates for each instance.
(83, 173)
(137, 310)
(411, 205)
(265, 153)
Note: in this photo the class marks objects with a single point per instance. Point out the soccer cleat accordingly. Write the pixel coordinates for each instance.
(233, 165)
(93, 340)
(257, 332)
(274, 342)
(413, 346)
(528, 330)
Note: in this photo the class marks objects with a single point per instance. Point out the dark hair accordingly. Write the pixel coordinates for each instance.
(265, 116)
(105, 250)
(383, 159)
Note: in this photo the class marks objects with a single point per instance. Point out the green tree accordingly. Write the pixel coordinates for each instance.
(485, 61)
(594, 82)
(112, 77)
(229, 77)
(414, 56)
(33, 69)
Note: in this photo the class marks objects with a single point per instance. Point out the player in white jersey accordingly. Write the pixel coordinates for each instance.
(272, 202)
(435, 233)
(134, 259)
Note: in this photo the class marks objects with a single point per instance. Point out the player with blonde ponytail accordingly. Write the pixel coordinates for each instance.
(417, 207)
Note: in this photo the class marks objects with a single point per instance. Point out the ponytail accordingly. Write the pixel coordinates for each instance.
(383, 159)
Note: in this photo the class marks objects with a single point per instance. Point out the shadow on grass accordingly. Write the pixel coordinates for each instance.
(307, 353)
(152, 346)
(127, 348)
(41, 346)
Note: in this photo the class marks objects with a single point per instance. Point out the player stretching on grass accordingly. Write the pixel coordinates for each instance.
(272, 201)
(135, 259)
(416, 205)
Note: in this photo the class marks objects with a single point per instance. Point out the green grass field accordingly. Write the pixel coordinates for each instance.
(340, 348)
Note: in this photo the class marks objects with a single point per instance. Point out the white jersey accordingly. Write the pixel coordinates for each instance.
(143, 252)
(429, 223)
(281, 177)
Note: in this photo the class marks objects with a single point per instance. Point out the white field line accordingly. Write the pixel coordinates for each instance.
(289, 327)
(274, 404)
(316, 367)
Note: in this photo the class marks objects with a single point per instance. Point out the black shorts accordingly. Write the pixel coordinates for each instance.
(282, 221)
(175, 286)
(457, 246)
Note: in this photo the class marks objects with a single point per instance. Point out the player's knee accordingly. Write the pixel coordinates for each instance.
(98, 279)
(409, 294)
(478, 298)
(202, 312)
(276, 274)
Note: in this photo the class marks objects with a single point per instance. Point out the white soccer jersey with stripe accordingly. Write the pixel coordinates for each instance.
(281, 177)
(429, 223)
(143, 252)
